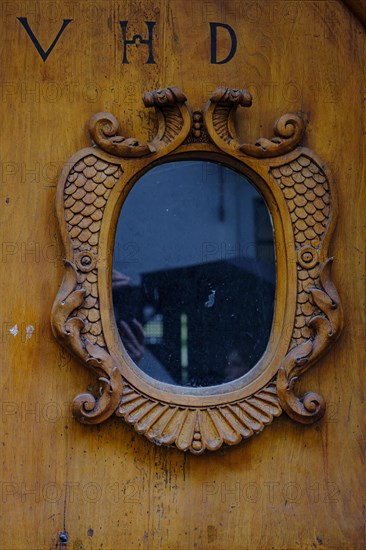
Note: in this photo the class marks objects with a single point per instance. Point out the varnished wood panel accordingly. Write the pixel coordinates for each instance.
(293, 487)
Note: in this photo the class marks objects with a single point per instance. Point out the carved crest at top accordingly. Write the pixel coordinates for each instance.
(217, 124)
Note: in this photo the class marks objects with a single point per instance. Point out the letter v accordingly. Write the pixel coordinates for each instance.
(40, 50)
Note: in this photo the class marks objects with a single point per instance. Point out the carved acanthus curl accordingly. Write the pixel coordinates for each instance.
(219, 115)
(288, 130)
(231, 97)
(67, 328)
(104, 128)
(164, 97)
(327, 327)
(174, 117)
(219, 119)
(174, 121)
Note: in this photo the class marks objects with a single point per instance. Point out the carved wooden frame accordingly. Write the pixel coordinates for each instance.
(308, 315)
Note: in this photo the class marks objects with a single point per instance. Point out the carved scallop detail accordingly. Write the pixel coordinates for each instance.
(201, 429)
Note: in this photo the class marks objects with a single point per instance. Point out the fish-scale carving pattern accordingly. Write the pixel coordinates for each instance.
(306, 190)
(86, 192)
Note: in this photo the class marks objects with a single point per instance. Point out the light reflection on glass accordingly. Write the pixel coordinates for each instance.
(194, 274)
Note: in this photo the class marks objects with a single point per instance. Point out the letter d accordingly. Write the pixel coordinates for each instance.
(213, 28)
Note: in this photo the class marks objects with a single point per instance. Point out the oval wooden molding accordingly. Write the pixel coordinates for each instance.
(303, 207)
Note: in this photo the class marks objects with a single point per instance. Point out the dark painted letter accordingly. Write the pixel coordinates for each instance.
(213, 28)
(40, 50)
(148, 41)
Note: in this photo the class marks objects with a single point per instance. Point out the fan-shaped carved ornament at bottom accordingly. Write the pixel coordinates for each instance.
(199, 429)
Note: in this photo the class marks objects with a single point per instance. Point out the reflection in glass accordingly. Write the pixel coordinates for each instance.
(194, 274)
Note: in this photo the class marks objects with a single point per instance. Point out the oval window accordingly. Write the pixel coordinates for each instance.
(194, 274)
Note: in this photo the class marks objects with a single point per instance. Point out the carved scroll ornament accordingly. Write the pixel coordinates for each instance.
(303, 208)
(173, 117)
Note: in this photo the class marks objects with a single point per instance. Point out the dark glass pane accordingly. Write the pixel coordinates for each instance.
(194, 274)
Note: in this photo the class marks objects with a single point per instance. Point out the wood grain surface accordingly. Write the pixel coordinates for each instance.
(105, 486)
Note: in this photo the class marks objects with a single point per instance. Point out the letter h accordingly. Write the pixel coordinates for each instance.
(149, 41)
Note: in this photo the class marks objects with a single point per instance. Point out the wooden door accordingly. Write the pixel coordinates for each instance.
(65, 485)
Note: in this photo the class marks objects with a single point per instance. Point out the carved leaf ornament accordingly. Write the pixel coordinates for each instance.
(303, 207)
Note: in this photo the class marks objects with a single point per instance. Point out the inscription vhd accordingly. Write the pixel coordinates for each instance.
(146, 40)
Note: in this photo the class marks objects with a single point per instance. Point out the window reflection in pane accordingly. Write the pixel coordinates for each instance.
(194, 274)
